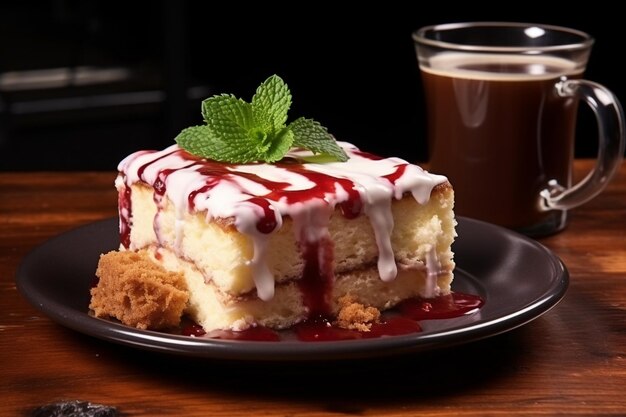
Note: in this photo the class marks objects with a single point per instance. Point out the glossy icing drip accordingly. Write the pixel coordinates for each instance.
(433, 269)
(258, 196)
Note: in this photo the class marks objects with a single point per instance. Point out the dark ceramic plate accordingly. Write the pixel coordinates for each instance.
(518, 278)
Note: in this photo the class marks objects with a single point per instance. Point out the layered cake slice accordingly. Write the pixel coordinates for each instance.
(272, 245)
(249, 221)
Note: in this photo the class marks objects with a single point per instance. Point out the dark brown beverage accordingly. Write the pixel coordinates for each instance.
(499, 132)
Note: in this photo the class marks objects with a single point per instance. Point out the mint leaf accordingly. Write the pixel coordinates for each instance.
(194, 140)
(204, 142)
(311, 135)
(227, 108)
(240, 132)
(228, 117)
(271, 103)
(281, 144)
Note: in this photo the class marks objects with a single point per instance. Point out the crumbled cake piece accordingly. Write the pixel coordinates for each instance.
(138, 292)
(356, 316)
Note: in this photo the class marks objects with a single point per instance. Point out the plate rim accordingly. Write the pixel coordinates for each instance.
(111, 331)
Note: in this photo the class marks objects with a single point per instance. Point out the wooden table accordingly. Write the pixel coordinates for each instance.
(571, 361)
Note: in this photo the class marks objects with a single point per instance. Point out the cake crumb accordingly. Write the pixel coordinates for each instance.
(356, 316)
(138, 292)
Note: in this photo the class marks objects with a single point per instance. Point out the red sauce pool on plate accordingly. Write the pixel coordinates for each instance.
(404, 319)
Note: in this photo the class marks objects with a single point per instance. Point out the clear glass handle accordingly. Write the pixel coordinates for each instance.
(610, 119)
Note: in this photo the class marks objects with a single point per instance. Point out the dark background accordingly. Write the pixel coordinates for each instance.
(349, 65)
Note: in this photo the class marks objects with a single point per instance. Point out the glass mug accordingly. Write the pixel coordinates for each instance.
(501, 101)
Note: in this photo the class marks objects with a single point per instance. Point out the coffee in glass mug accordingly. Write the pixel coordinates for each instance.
(502, 100)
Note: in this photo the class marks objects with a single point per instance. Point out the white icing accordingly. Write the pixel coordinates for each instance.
(433, 270)
(263, 278)
(226, 193)
(382, 222)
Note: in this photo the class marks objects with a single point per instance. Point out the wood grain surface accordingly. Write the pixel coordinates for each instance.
(570, 362)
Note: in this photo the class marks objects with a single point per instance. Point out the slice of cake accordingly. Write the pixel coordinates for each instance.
(251, 221)
(275, 244)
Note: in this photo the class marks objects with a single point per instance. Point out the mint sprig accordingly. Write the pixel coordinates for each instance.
(240, 132)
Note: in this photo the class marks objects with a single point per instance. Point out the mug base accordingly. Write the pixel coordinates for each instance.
(554, 223)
